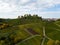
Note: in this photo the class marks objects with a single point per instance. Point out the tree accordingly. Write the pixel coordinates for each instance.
(2, 20)
(18, 17)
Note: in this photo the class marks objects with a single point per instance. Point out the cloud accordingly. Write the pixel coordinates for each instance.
(11, 5)
(47, 3)
(31, 6)
(24, 1)
(19, 2)
(18, 7)
(6, 7)
(49, 8)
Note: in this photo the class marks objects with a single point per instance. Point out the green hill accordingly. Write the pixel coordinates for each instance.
(29, 30)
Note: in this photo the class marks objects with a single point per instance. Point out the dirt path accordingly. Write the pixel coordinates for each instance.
(29, 38)
(44, 36)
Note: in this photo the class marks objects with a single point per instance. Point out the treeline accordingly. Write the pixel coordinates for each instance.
(28, 18)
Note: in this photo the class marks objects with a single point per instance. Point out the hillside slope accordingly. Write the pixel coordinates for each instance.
(29, 30)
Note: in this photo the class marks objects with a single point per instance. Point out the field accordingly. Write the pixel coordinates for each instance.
(29, 30)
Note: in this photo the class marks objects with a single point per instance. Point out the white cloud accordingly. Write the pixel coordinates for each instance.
(47, 3)
(21, 2)
(10, 6)
(31, 6)
(24, 1)
(6, 7)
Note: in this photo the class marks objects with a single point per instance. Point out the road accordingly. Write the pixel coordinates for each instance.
(30, 38)
(43, 39)
(32, 35)
(44, 36)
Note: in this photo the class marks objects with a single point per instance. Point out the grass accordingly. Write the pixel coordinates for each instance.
(33, 41)
(22, 36)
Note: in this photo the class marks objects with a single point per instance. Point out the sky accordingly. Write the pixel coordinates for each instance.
(15, 8)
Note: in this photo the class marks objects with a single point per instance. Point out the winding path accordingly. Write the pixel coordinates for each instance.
(44, 37)
(30, 38)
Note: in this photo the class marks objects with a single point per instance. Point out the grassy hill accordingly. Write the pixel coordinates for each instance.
(29, 30)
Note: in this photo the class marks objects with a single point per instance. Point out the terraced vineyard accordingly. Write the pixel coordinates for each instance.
(29, 30)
